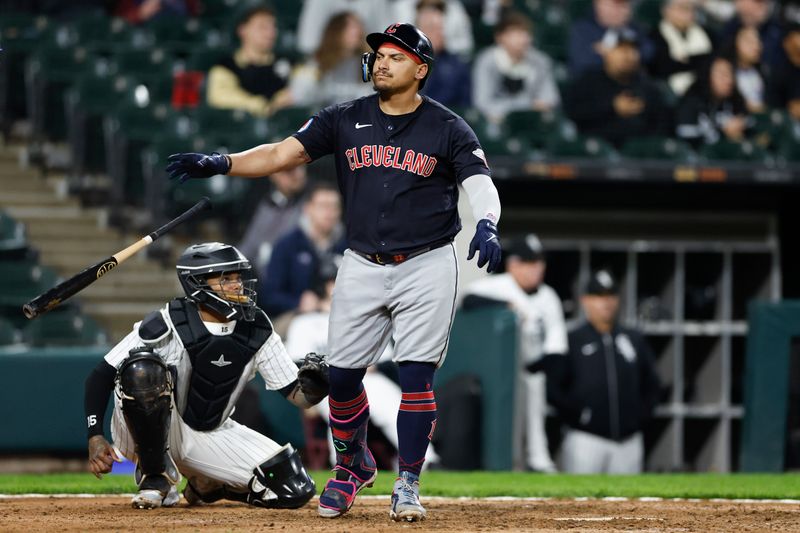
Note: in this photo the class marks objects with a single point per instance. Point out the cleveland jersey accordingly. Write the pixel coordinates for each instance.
(398, 174)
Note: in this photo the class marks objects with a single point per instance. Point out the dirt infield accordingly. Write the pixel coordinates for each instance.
(371, 515)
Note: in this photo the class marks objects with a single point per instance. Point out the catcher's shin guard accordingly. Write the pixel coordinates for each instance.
(281, 482)
(144, 384)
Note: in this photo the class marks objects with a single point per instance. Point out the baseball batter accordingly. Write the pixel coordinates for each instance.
(177, 377)
(400, 157)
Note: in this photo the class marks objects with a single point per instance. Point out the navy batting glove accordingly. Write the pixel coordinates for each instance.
(187, 166)
(486, 243)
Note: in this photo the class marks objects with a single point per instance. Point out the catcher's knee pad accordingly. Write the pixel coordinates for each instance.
(281, 482)
(144, 384)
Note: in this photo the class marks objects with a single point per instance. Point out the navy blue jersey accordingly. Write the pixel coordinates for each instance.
(398, 174)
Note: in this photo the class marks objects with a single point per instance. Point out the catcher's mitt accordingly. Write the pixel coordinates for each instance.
(313, 377)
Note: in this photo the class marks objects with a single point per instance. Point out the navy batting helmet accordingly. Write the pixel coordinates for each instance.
(407, 37)
(213, 258)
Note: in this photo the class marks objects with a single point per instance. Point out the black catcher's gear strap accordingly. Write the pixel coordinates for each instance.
(97, 389)
(313, 377)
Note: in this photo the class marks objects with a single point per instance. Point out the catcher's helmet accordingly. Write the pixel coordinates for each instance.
(407, 37)
(200, 260)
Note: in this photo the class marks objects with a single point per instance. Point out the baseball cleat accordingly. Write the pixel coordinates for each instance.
(340, 492)
(155, 491)
(405, 499)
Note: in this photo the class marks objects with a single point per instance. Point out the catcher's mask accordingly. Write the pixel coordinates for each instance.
(232, 294)
(407, 37)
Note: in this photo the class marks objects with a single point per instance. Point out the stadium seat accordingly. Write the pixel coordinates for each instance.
(64, 327)
(663, 148)
(550, 33)
(724, 150)
(576, 146)
(12, 234)
(789, 149)
(20, 281)
(222, 125)
(8, 333)
(533, 126)
(770, 128)
(288, 120)
(19, 36)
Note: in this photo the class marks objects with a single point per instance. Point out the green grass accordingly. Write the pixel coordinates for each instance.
(484, 484)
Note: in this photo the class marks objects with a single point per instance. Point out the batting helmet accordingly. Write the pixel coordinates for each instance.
(199, 261)
(407, 37)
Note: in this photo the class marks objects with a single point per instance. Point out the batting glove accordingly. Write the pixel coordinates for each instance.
(187, 166)
(487, 244)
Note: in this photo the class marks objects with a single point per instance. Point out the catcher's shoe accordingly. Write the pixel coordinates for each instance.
(340, 492)
(155, 491)
(405, 499)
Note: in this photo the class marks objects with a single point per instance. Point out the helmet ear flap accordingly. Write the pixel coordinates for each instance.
(367, 64)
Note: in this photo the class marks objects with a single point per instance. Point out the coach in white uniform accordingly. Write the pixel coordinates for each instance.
(177, 377)
(541, 330)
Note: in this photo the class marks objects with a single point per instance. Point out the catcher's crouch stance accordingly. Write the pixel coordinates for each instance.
(177, 377)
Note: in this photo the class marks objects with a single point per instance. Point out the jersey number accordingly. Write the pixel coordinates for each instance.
(91, 420)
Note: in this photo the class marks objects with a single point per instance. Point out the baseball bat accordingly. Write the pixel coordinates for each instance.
(61, 292)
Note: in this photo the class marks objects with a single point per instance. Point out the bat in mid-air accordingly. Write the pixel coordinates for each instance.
(61, 292)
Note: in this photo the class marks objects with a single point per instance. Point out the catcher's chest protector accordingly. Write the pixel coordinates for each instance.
(217, 364)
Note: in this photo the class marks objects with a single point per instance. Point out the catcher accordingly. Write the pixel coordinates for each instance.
(177, 376)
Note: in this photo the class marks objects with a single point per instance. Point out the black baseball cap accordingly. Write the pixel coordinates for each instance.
(525, 248)
(601, 283)
(619, 36)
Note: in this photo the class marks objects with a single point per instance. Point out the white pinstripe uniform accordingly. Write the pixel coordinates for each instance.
(228, 453)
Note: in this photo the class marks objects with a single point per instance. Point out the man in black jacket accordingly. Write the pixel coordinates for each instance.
(605, 389)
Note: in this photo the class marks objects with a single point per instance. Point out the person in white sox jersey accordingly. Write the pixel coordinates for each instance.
(400, 158)
(177, 377)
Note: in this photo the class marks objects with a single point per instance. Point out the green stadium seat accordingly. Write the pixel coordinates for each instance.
(506, 146)
(9, 335)
(534, 126)
(223, 124)
(724, 150)
(789, 149)
(19, 35)
(20, 281)
(662, 148)
(12, 234)
(142, 61)
(770, 128)
(576, 146)
(550, 33)
(64, 328)
(288, 120)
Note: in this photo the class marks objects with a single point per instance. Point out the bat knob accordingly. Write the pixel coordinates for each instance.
(29, 311)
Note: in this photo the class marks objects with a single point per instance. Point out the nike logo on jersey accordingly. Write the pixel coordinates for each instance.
(379, 155)
(359, 126)
(221, 361)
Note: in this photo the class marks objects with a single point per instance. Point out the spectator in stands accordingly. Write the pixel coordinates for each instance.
(586, 35)
(540, 325)
(276, 214)
(745, 52)
(457, 24)
(376, 15)
(141, 11)
(758, 14)
(605, 389)
(619, 101)
(449, 82)
(308, 332)
(512, 75)
(712, 108)
(289, 282)
(252, 79)
(785, 81)
(681, 45)
(333, 75)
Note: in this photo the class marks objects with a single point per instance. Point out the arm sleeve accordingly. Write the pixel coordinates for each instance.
(318, 133)
(97, 389)
(275, 365)
(483, 197)
(224, 91)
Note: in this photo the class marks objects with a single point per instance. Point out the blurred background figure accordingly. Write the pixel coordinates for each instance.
(541, 326)
(713, 107)
(276, 213)
(785, 81)
(449, 83)
(586, 35)
(760, 15)
(376, 15)
(289, 282)
(308, 332)
(605, 389)
(333, 74)
(142, 11)
(745, 52)
(681, 45)
(253, 79)
(619, 101)
(512, 75)
(457, 25)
